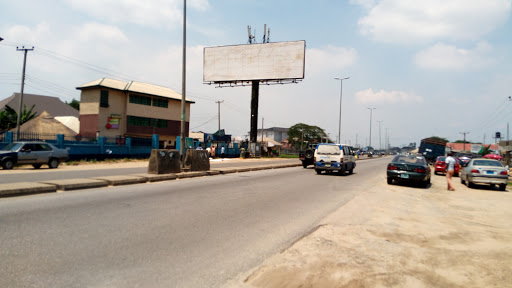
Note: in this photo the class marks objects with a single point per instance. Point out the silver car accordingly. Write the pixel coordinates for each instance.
(484, 171)
(34, 153)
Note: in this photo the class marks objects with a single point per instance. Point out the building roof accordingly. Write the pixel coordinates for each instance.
(46, 124)
(275, 129)
(134, 86)
(51, 104)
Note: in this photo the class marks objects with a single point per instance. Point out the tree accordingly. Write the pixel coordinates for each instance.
(303, 134)
(9, 117)
(74, 103)
(438, 138)
(485, 150)
(462, 141)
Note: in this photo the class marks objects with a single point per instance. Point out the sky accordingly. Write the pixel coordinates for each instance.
(429, 68)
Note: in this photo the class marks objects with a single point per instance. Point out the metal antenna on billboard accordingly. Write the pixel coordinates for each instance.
(251, 37)
(266, 36)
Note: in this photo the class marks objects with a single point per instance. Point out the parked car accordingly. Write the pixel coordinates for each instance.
(440, 166)
(35, 153)
(334, 158)
(484, 171)
(409, 168)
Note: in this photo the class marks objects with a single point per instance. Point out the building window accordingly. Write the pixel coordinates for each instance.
(139, 121)
(147, 122)
(160, 103)
(104, 98)
(138, 99)
(160, 123)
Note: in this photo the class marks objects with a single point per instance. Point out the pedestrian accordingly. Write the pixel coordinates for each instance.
(450, 169)
(209, 150)
(222, 150)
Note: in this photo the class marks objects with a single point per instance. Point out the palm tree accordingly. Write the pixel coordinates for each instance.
(9, 117)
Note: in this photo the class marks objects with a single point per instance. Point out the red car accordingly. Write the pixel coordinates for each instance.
(440, 166)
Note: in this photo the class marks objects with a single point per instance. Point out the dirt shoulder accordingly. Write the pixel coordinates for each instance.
(400, 236)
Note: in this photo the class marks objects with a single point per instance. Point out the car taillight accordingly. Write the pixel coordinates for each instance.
(420, 170)
(503, 173)
(475, 171)
(392, 167)
(341, 160)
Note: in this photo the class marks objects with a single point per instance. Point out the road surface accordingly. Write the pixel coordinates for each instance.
(198, 232)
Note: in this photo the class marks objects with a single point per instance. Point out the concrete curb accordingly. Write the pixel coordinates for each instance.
(25, 188)
(122, 179)
(75, 184)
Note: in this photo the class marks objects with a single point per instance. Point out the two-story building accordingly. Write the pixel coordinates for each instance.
(114, 108)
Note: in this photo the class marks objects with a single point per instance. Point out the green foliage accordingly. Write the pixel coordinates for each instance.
(303, 134)
(485, 150)
(9, 117)
(438, 138)
(74, 103)
(288, 156)
(462, 141)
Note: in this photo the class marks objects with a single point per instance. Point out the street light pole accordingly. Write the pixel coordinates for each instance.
(371, 110)
(341, 97)
(183, 87)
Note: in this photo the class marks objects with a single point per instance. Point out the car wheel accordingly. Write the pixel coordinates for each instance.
(304, 165)
(318, 171)
(390, 181)
(36, 166)
(8, 164)
(462, 180)
(470, 185)
(341, 172)
(351, 171)
(53, 163)
(436, 173)
(425, 183)
(503, 187)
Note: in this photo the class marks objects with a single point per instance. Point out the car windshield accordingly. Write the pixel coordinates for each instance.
(487, 163)
(409, 159)
(328, 149)
(12, 147)
(442, 159)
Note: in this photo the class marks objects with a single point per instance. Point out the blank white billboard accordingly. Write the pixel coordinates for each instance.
(268, 61)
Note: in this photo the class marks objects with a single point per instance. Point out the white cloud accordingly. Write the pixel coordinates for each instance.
(330, 58)
(369, 97)
(449, 57)
(154, 13)
(100, 32)
(399, 21)
(29, 35)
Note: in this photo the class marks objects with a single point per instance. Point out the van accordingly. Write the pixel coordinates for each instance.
(334, 158)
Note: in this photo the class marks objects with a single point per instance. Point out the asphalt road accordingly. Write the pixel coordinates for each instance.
(45, 174)
(198, 232)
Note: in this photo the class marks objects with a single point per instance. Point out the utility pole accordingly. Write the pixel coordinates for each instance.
(183, 86)
(464, 133)
(371, 112)
(380, 142)
(218, 102)
(20, 110)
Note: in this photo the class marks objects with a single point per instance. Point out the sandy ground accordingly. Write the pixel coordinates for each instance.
(401, 236)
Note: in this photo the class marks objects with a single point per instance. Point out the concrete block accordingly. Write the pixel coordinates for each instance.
(157, 177)
(122, 179)
(74, 184)
(164, 161)
(197, 160)
(25, 188)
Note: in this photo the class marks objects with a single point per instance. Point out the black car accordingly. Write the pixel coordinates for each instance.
(409, 168)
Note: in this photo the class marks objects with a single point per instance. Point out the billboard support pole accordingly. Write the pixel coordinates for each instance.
(254, 115)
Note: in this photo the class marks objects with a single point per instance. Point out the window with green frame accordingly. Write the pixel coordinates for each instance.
(160, 123)
(160, 103)
(139, 121)
(138, 99)
(104, 98)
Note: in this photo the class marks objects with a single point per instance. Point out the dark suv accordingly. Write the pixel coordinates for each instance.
(35, 153)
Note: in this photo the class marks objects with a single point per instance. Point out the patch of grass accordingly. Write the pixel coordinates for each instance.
(288, 156)
(106, 161)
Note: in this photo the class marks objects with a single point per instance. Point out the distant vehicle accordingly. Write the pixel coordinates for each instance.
(484, 171)
(431, 149)
(440, 166)
(35, 153)
(307, 157)
(334, 158)
(409, 168)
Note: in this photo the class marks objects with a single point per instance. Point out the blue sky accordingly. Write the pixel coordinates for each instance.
(428, 67)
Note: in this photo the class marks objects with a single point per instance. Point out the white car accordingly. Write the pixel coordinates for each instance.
(484, 171)
(334, 158)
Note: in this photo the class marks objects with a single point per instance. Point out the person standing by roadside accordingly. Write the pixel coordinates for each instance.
(450, 169)
(222, 150)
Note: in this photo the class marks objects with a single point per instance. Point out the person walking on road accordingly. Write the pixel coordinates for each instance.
(450, 169)
(222, 150)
